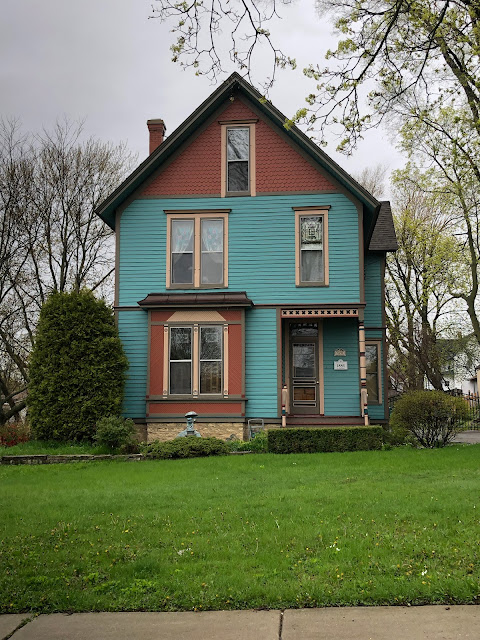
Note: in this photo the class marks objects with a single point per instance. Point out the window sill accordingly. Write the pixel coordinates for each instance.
(203, 398)
(191, 287)
(312, 284)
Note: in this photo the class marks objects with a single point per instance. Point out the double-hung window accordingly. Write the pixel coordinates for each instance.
(181, 360)
(196, 360)
(210, 355)
(311, 240)
(238, 159)
(372, 357)
(197, 250)
(182, 244)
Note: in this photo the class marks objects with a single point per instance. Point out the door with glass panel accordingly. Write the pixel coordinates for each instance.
(304, 358)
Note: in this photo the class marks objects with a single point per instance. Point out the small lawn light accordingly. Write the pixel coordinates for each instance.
(190, 430)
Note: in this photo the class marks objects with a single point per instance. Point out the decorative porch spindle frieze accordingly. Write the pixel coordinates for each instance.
(320, 313)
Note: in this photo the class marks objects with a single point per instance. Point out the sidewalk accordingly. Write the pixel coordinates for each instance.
(468, 437)
(441, 622)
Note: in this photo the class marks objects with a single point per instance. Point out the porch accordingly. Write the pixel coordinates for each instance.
(323, 366)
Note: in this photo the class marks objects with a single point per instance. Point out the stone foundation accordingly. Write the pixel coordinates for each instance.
(170, 430)
(141, 432)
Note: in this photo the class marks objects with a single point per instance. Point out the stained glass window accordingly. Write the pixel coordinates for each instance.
(312, 268)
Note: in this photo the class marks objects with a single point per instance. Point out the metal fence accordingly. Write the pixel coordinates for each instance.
(473, 418)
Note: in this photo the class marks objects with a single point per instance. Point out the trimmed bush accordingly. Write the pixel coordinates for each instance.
(397, 437)
(433, 417)
(116, 433)
(258, 444)
(189, 447)
(77, 368)
(324, 440)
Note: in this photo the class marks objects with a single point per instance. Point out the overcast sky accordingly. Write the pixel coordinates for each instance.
(106, 62)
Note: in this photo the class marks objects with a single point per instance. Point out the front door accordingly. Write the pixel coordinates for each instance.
(304, 379)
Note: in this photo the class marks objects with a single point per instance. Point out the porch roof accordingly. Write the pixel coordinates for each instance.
(169, 300)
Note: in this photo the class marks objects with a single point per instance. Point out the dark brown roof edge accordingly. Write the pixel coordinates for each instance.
(162, 300)
(105, 209)
(384, 237)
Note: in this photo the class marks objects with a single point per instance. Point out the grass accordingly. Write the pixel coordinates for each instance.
(389, 527)
(35, 447)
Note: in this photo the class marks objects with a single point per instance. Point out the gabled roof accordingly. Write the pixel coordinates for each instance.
(235, 83)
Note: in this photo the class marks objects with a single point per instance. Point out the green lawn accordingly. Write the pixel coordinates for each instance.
(387, 527)
(34, 447)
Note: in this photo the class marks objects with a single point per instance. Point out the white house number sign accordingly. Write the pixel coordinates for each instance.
(340, 365)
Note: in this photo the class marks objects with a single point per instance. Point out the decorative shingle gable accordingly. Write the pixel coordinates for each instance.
(279, 167)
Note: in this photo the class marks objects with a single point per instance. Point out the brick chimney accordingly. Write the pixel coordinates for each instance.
(157, 131)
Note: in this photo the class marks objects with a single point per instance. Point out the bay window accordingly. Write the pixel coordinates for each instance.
(211, 359)
(196, 360)
(181, 360)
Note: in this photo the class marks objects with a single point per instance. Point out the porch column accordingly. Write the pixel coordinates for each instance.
(363, 372)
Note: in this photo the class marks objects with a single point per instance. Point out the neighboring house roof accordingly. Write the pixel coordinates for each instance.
(383, 236)
(234, 83)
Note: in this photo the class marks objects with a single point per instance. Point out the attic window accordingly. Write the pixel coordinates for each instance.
(238, 159)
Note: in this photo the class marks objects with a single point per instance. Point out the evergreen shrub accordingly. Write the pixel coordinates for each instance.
(258, 444)
(188, 447)
(324, 439)
(77, 368)
(116, 433)
(432, 417)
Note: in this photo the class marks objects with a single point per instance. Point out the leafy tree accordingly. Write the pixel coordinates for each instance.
(419, 277)
(403, 56)
(77, 367)
(373, 179)
(448, 153)
(50, 237)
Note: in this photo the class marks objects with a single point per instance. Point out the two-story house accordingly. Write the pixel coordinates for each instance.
(249, 275)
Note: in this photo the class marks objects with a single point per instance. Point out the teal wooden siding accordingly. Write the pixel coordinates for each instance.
(133, 330)
(261, 363)
(341, 388)
(261, 247)
(373, 290)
